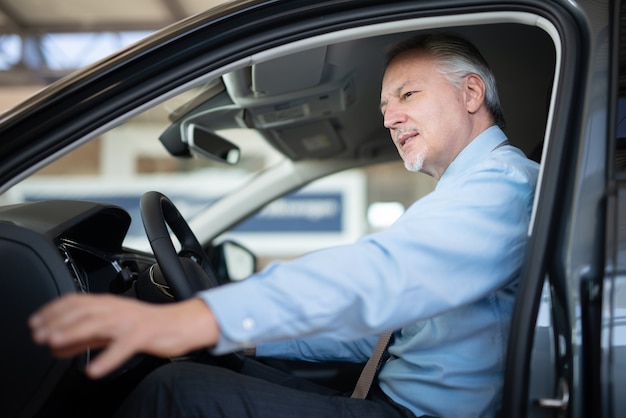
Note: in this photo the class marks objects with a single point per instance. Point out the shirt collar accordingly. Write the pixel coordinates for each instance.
(480, 146)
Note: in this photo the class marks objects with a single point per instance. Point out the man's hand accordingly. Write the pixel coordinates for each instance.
(124, 327)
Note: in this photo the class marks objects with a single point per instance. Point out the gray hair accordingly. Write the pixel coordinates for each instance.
(457, 58)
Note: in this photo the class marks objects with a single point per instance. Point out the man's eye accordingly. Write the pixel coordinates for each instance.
(408, 94)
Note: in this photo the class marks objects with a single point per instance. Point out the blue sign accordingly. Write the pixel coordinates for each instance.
(299, 212)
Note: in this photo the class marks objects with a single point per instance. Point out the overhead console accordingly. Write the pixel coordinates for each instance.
(292, 99)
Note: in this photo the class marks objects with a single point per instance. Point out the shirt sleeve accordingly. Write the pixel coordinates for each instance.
(450, 248)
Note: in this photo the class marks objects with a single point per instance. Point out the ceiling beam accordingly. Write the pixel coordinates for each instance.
(15, 23)
(176, 9)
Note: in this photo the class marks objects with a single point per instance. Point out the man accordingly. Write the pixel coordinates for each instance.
(444, 275)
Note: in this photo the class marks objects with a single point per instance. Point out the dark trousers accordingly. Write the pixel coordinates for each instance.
(185, 390)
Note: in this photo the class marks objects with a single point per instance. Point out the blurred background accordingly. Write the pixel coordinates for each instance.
(44, 40)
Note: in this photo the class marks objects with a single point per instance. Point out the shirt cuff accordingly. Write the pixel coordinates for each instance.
(237, 320)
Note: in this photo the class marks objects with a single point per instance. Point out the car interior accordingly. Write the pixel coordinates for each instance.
(277, 121)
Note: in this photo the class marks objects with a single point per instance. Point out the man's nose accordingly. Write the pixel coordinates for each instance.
(393, 117)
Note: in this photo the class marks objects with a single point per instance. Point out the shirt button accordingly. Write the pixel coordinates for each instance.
(248, 324)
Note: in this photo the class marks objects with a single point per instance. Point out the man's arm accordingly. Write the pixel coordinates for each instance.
(451, 248)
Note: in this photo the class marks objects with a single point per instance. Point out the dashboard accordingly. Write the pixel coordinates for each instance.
(88, 237)
(47, 249)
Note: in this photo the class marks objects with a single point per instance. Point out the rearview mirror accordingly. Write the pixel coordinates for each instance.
(208, 144)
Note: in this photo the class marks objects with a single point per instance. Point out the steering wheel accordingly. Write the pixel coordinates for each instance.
(187, 271)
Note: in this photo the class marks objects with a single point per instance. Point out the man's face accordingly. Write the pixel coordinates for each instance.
(427, 116)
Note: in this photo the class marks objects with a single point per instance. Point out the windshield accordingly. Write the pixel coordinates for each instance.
(120, 165)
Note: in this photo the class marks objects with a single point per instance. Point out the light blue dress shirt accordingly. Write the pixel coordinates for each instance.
(444, 275)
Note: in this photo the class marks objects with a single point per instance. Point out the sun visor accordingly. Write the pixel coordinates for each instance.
(292, 72)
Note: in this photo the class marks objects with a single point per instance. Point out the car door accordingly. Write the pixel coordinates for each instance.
(560, 360)
(611, 315)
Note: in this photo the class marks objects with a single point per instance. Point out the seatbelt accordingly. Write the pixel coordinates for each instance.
(363, 385)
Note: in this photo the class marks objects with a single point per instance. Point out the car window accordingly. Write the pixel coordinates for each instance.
(334, 210)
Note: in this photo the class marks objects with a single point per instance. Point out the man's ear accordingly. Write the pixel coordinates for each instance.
(474, 92)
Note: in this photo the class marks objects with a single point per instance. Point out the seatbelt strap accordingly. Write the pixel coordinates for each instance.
(363, 385)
